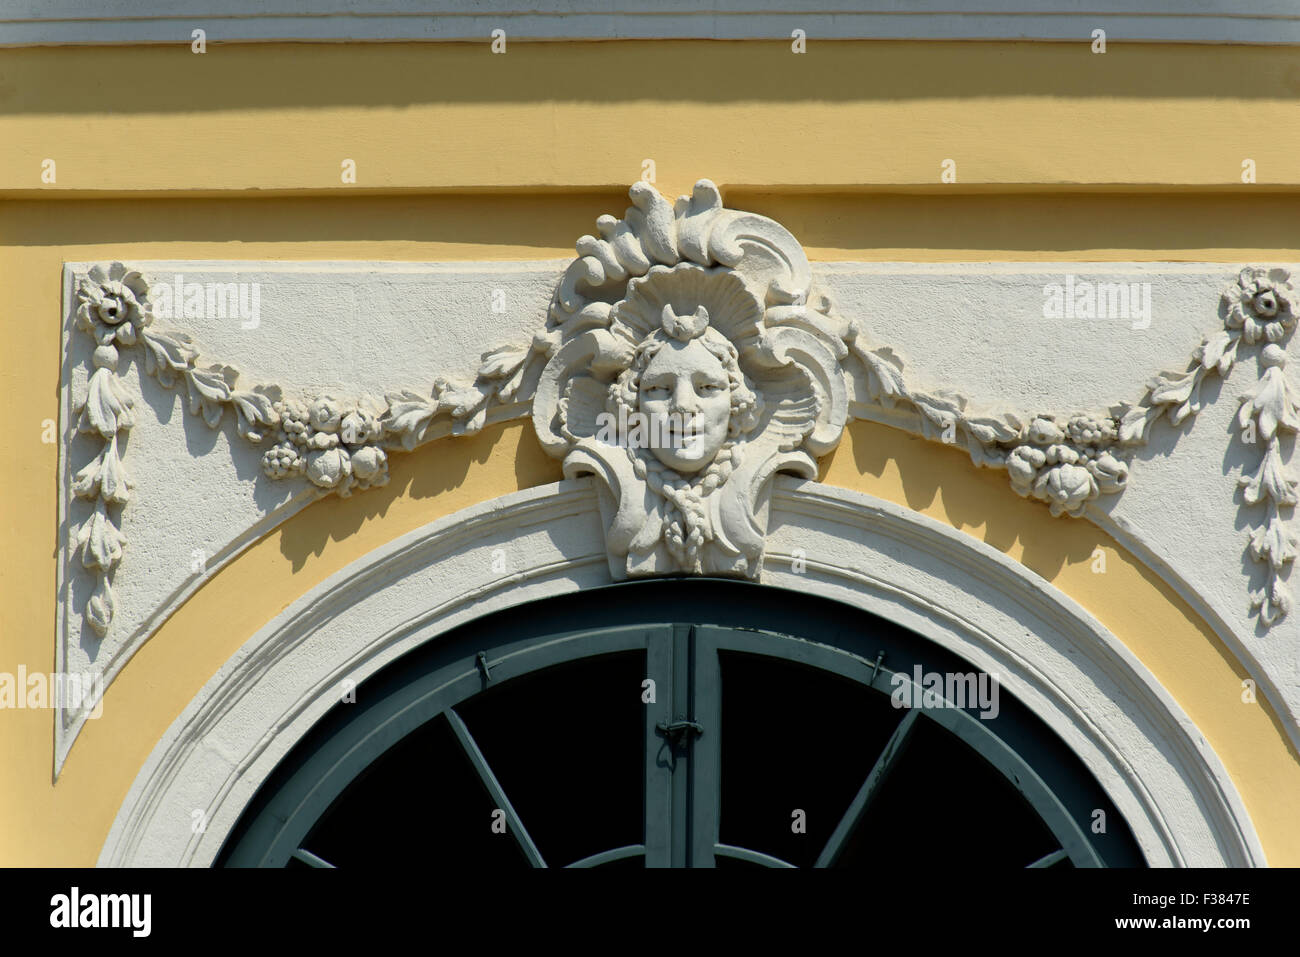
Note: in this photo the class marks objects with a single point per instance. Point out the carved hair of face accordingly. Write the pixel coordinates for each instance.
(690, 381)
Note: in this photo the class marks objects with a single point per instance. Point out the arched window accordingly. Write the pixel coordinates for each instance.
(687, 723)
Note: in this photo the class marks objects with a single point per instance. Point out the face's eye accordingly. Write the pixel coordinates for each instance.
(654, 390)
(709, 388)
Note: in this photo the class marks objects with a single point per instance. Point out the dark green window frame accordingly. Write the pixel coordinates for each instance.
(682, 626)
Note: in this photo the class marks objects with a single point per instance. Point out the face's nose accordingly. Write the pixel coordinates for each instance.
(684, 397)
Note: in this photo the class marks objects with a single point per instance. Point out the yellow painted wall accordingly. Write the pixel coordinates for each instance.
(150, 123)
(439, 116)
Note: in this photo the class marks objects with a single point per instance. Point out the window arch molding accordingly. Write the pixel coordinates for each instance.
(925, 576)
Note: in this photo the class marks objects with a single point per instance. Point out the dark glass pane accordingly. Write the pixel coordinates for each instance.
(793, 738)
(945, 806)
(567, 744)
(420, 803)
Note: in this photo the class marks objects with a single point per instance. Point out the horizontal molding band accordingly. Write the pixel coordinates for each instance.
(26, 23)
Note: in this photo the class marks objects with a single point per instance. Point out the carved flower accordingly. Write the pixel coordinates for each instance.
(329, 468)
(113, 304)
(1261, 303)
(326, 413)
(1066, 488)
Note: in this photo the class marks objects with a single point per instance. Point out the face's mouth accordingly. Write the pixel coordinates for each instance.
(682, 431)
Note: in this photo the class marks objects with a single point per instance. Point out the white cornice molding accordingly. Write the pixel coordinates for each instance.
(47, 22)
(966, 596)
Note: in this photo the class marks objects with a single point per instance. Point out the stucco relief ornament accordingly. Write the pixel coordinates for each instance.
(697, 317)
(704, 318)
(113, 309)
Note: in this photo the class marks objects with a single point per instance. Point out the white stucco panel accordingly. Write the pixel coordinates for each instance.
(969, 342)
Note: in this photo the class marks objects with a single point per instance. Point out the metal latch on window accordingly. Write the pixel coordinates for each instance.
(677, 732)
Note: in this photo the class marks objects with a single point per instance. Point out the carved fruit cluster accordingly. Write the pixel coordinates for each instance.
(331, 441)
(1067, 463)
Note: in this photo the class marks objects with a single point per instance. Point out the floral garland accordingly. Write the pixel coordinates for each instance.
(337, 444)
(340, 444)
(1068, 461)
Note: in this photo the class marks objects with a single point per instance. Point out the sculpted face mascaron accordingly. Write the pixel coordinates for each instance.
(685, 383)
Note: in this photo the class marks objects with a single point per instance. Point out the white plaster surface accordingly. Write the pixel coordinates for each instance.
(974, 328)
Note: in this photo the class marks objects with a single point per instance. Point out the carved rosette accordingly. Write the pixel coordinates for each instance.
(722, 301)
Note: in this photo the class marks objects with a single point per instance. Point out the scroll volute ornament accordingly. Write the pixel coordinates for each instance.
(699, 371)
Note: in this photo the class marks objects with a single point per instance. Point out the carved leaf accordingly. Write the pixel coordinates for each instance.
(986, 456)
(1273, 543)
(1133, 423)
(1272, 480)
(104, 477)
(409, 416)
(940, 408)
(1274, 603)
(502, 362)
(108, 405)
(100, 541)
(989, 429)
(167, 353)
(86, 482)
(1219, 351)
(462, 401)
(471, 425)
(1192, 405)
(1170, 388)
(1274, 402)
(114, 482)
(884, 375)
(209, 391)
(256, 411)
(508, 389)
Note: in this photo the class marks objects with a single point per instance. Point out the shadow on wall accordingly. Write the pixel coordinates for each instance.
(831, 225)
(942, 483)
(453, 470)
(171, 78)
